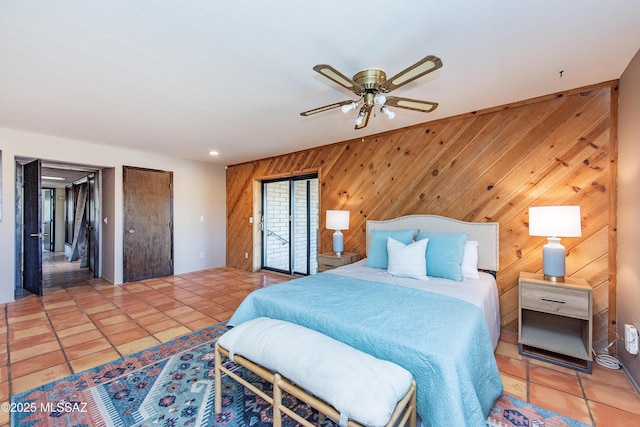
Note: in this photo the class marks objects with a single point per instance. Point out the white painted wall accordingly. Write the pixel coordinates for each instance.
(199, 193)
(628, 272)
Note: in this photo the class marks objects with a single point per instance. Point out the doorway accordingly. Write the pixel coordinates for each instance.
(289, 224)
(42, 216)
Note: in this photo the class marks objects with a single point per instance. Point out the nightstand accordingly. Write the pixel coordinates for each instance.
(555, 321)
(331, 260)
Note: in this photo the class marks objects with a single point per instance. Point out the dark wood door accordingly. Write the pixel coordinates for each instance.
(93, 247)
(148, 223)
(32, 233)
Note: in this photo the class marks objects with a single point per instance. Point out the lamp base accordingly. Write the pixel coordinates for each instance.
(338, 242)
(553, 260)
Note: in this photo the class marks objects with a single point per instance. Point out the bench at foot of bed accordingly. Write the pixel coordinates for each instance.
(343, 383)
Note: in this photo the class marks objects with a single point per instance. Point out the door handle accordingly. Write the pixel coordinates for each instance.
(131, 231)
(34, 235)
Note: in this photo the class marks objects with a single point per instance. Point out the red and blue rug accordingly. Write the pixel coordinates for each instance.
(171, 385)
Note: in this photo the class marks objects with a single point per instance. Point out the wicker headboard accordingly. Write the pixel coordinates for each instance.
(486, 233)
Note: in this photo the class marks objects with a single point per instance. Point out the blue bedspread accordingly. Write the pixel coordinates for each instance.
(442, 341)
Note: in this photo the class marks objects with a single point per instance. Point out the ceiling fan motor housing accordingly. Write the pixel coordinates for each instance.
(370, 79)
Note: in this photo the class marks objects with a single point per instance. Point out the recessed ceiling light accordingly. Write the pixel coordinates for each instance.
(53, 178)
(213, 153)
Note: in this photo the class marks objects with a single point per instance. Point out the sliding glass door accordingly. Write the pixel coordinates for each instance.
(290, 224)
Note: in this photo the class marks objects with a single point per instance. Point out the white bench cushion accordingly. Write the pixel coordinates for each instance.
(358, 385)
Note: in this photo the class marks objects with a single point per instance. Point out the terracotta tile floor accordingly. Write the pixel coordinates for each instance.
(82, 322)
(604, 398)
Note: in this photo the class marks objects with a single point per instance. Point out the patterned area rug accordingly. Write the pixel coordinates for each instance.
(509, 412)
(171, 385)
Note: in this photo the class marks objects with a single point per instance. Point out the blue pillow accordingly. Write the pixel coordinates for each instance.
(377, 256)
(444, 253)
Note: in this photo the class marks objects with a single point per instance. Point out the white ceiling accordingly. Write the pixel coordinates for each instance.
(186, 77)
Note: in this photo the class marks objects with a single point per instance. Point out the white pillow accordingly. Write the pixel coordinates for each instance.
(407, 260)
(470, 260)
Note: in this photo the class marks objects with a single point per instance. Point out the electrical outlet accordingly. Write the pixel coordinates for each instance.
(631, 339)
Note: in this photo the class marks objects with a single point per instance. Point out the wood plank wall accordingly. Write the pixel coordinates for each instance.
(489, 165)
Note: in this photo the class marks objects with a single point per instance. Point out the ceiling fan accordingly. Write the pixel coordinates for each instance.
(371, 85)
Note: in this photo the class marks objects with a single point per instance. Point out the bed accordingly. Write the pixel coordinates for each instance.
(444, 331)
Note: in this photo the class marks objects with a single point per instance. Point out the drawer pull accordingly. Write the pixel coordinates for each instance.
(559, 301)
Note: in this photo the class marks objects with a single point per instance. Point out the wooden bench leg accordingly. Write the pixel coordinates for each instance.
(277, 401)
(217, 390)
(413, 419)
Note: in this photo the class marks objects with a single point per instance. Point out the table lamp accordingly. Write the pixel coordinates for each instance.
(338, 221)
(554, 222)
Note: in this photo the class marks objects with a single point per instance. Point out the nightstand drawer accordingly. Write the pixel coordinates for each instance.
(555, 300)
(330, 261)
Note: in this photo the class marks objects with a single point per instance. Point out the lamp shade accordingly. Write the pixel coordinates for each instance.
(337, 220)
(555, 221)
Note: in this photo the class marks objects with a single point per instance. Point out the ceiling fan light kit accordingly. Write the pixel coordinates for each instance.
(384, 110)
(371, 85)
(350, 106)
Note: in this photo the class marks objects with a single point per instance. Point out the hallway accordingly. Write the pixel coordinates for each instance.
(57, 271)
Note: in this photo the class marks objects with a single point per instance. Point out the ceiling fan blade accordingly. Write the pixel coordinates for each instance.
(411, 104)
(331, 73)
(325, 108)
(419, 69)
(365, 119)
